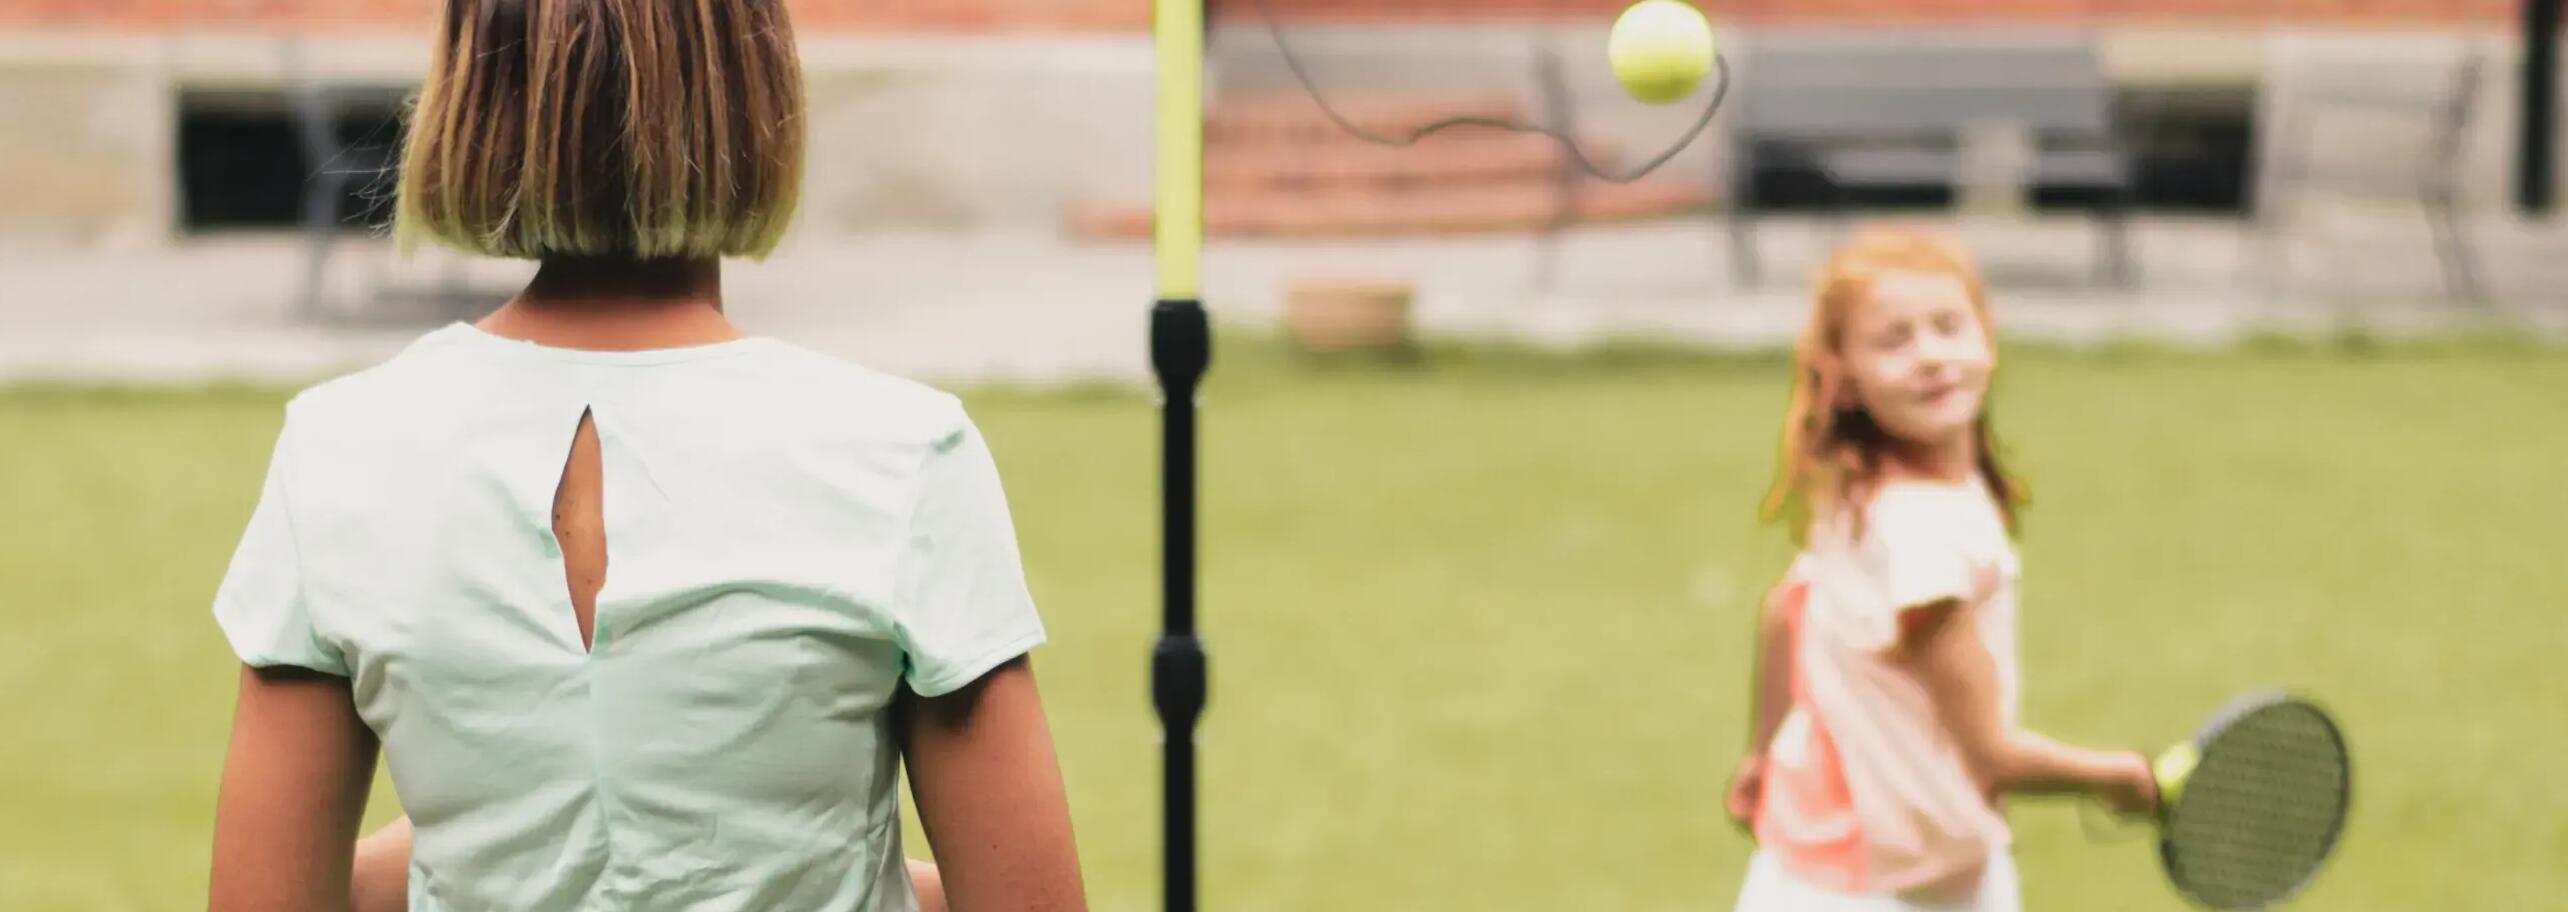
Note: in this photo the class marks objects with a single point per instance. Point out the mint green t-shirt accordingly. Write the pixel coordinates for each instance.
(790, 539)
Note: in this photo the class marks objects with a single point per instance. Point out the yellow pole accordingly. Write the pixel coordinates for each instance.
(1178, 221)
(1180, 351)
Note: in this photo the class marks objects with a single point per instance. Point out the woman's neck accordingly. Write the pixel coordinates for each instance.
(614, 304)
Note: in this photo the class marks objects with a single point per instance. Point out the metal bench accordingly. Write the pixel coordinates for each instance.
(1864, 112)
(2438, 113)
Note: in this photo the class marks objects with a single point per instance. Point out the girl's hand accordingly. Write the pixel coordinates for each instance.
(928, 883)
(2132, 791)
(380, 881)
(1747, 788)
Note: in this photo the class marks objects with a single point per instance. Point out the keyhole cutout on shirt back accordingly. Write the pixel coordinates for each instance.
(579, 523)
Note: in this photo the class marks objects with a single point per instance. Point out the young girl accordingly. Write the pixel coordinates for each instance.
(642, 613)
(1886, 706)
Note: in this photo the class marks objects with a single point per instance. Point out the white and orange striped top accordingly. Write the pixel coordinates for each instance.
(1865, 792)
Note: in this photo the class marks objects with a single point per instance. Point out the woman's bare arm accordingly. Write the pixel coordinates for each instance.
(293, 794)
(990, 797)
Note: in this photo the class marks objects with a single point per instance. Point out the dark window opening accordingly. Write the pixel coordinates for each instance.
(245, 160)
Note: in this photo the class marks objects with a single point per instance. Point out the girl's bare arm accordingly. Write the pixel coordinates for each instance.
(1942, 641)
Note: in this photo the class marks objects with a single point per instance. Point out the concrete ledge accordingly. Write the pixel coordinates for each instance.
(1009, 134)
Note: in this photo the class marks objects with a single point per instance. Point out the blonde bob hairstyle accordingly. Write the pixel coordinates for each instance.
(640, 129)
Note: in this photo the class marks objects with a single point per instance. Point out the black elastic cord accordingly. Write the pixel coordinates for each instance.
(1292, 61)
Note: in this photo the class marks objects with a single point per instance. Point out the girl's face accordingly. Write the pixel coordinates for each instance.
(1917, 359)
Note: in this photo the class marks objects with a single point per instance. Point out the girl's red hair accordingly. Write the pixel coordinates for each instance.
(1832, 453)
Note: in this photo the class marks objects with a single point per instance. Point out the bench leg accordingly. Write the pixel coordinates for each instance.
(2114, 255)
(2460, 263)
(1745, 271)
(1841, 216)
(320, 235)
(1560, 111)
(1565, 211)
(2267, 264)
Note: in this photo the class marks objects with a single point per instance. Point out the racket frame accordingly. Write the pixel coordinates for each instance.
(2175, 767)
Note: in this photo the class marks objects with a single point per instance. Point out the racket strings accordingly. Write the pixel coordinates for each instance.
(1577, 155)
(2262, 810)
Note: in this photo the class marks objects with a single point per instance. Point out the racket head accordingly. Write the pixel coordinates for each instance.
(2254, 804)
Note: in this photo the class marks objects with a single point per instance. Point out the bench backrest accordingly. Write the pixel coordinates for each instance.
(1849, 86)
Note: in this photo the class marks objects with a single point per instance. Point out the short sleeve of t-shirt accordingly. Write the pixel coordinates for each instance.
(1917, 543)
(260, 604)
(963, 607)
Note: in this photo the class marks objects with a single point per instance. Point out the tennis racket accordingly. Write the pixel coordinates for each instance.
(2252, 806)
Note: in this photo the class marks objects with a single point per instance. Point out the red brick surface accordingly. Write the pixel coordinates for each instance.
(1433, 211)
(1276, 167)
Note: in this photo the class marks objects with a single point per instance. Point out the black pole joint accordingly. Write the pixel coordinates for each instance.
(1180, 344)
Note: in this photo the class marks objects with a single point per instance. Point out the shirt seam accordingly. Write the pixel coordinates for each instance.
(958, 674)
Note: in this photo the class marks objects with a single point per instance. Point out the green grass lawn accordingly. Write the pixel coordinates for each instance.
(1478, 627)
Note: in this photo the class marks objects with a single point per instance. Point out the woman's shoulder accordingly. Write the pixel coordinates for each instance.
(821, 381)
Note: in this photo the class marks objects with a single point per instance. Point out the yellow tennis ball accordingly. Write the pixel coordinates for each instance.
(1660, 50)
(2172, 769)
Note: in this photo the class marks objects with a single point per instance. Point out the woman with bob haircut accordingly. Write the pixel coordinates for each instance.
(642, 613)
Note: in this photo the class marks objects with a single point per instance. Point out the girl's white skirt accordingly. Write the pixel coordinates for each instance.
(1772, 889)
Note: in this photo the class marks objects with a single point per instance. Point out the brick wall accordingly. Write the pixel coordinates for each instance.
(1134, 15)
